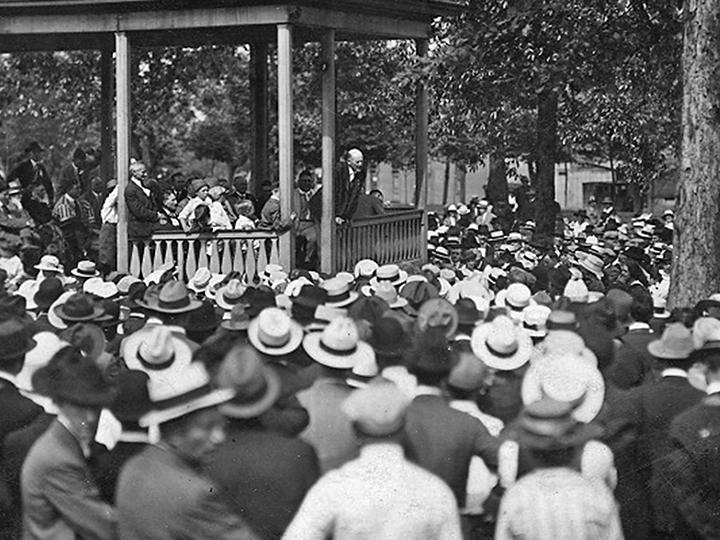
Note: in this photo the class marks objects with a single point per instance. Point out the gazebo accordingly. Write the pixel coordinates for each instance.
(114, 26)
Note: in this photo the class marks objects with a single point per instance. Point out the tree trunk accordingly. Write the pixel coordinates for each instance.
(461, 176)
(446, 182)
(497, 187)
(546, 149)
(696, 255)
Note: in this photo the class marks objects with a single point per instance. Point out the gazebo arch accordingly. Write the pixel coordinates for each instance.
(114, 26)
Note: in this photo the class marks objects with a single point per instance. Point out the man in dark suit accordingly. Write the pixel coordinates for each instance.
(17, 411)
(349, 184)
(650, 409)
(143, 215)
(59, 496)
(31, 172)
(264, 474)
(73, 171)
(633, 363)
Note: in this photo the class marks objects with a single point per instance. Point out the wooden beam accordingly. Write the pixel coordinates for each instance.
(327, 225)
(354, 23)
(122, 93)
(259, 90)
(421, 147)
(285, 138)
(106, 114)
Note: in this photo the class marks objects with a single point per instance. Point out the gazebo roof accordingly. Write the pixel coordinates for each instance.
(74, 24)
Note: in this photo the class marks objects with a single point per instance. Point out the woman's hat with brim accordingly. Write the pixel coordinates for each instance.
(75, 378)
(547, 424)
(48, 291)
(50, 263)
(78, 307)
(676, 343)
(99, 288)
(569, 379)
(338, 346)
(274, 333)
(187, 390)
(257, 386)
(501, 345)
(172, 299)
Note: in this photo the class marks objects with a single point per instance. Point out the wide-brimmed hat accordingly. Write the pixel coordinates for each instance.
(27, 290)
(388, 339)
(187, 391)
(46, 345)
(125, 282)
(85, 269)
(418, 292)
(564, 342)
(79, 307)
(576, 290)
(133, 398)
(387, 292)
(516, 297)
(534, 320)
(75, 378)
(390, 273)
(548, 424)
(468, 313)
(161, 275)
(50, 263)
(706, 333)
(15, 340)
(566, 378)
(501, 345)
(593, 264)
(365, 268)
(377, 410)
(274, 333)
(676, 343)
(155, 348)
(306, 303)
(230, 295)
(438, 313)
(200, 280)
(338, 292)
(338, 345)
(173, 298)
(48, 290)
(236, 320)
(256, 386)
(99, 288)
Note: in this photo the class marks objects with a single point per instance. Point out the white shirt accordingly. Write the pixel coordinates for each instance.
(139, 184)
(378, 496)
(108, 212)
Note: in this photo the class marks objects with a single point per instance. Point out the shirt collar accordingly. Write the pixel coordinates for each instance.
(84, 446)
(674, 372)
(713, 388)
(423, 390)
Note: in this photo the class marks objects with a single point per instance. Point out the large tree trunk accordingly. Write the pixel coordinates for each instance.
(546, 150)
(696, 261)
(497, 188)
(446, 182)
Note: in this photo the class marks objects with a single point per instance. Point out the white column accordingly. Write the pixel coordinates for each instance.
(327, 226)
(123, 118)
(285, 138)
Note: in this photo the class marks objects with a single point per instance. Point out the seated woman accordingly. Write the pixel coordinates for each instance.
(187, 214)
(245, 221)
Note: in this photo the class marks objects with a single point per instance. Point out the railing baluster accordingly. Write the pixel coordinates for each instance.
(157, 259)
(250, 262)
(180, 260)
(202, 253)
(226, 265)
(215, 256)
(168, 252)
(190, 263)
(146, 265)
(274, 253)
(262, 258)
(238, 265)
(135, 260)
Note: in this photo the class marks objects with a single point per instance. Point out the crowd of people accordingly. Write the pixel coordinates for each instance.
(518, 385)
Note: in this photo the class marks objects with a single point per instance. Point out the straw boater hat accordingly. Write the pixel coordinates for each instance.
(50, 263)
(274, 333)
(388, 293)
(569, 379)
(338, 293)
(535, 320)
(338, 345)
(173, 298)
(391, 273)
(190, 390)
(85, 269)
(516, 297)
(256, 386)
(154, 349)
(365, 268)
(660, 310)
(501, 345)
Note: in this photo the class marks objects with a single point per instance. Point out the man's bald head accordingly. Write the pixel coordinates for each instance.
(355, 159)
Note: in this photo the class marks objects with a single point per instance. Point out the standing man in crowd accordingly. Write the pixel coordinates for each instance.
(31, 172)
(349, 184)
(143, 215)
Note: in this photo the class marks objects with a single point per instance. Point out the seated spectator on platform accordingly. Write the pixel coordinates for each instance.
(219, 220)
(200, 191)
(238, 194)
(245, 219)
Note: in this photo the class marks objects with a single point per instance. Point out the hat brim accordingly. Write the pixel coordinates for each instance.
(75, 273)
(402, 278)
(223, 304)
(658, 350)
(346, 302)
(96, 314)
(509, 363)
(233, 409)
(531, 391)
(579, 435)
(155, 306)
(29, 345)
(296, 337)
(131, 345)
(44, 268)
(311, 344)
(235, 326)
(211, 399)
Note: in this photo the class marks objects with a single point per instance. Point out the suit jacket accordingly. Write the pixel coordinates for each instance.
(265, 476)
(29, 175)
(633, 363)
(60, 498)
(159, 497)
(142, 212)
(107, 467)
(347, 193)
(17, 410)
(442, 440)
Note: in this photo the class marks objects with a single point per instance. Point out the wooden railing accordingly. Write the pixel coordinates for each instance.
(247, 252)
(392, 238)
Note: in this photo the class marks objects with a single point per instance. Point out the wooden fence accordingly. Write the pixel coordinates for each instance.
(392, 238)
(247, 252)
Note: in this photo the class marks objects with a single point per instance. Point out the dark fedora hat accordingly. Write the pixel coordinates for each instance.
(389, 340)
(133, 399)
(78, 307)
(468, 314)
(257, 299)
(12, 305)
(73, 377)
(48, 291)
(15, 340)
(306, 302)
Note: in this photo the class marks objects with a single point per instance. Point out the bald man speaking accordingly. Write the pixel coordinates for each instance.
(349, 184)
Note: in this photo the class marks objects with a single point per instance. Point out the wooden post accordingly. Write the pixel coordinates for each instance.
(421, 147)
(258, 89)
(106, 114)
(285, 138)
(122, 85)
(327, 225)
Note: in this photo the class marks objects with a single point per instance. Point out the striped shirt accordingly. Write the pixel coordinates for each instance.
(558, 504)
